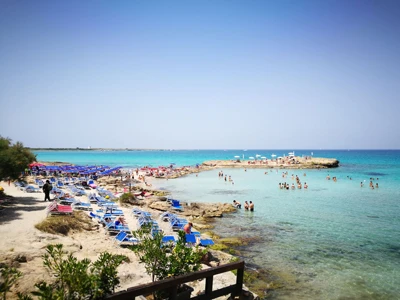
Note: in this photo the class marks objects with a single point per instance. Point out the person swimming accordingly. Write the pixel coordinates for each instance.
(237, 204)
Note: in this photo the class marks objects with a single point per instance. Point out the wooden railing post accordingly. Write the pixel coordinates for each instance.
(239, 280)
(209, 285)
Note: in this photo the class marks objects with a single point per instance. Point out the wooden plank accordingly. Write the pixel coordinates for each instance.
(174, 282)
(215, 294)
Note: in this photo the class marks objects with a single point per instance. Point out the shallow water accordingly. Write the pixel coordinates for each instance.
(336, 240)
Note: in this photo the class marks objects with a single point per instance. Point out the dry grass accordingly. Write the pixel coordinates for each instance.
(63, 224)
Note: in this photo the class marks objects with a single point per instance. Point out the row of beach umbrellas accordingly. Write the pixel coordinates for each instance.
(291, 154)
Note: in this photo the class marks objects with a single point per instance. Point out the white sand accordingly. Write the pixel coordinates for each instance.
(19, 237)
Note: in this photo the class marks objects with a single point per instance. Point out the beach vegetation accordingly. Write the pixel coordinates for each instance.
(129, 198)
(163, 261)
(219, 247)
(63, 224)
(14, 159)
(78, 279)
(9, 277)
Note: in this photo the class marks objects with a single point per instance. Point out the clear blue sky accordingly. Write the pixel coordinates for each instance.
(201, 74)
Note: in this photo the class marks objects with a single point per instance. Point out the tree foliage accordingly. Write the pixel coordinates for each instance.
(14, 158)
(162, 261)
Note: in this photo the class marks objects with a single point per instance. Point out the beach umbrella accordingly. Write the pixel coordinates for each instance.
(237, 156)
(36, 165)
(251, 157)
(263, 157)
(273, 155)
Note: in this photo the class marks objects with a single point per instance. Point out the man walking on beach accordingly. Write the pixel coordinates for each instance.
(47, 187)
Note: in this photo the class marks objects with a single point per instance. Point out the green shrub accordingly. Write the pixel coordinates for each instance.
(128, 198)
(163, 261)
(77, 279)
(9, 277)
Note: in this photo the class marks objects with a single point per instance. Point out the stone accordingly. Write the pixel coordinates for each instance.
(21, 258)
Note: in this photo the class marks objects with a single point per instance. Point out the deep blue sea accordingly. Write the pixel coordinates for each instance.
(336, 240)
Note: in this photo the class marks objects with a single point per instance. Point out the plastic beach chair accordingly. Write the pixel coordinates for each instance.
(168, 240)
(111, 227)
(176, 205)
(190, 238)
(206, 242)
(124, 237)
(57, 209)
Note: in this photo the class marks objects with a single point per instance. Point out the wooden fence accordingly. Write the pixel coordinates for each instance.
(172, 284)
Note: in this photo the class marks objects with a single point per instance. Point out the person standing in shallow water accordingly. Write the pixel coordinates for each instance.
(246, 205)
(251, 206)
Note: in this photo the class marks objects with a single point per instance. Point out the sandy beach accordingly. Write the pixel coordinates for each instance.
(23, 245)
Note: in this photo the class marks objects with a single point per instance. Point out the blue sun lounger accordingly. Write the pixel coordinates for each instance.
(111, 227)
(190, 238)
(206, 242)
(124, 238)
(168, 240)
(176, 205)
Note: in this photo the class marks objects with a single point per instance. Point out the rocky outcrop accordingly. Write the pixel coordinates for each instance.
(195, 210)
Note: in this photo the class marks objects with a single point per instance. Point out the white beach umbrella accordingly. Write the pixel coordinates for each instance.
(237, 156)
(251, 157)
(263, 157)
(273, 155)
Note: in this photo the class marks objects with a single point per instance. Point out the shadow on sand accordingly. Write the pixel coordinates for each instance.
(12, 209)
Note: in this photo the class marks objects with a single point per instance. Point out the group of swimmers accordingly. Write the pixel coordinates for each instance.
(221, 175)
(286, 186)
(247, 206)
(371, 184)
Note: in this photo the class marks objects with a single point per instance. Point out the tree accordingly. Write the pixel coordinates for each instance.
(14, 159)
(166, 260)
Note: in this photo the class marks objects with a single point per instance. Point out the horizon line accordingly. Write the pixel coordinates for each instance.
(209, 149)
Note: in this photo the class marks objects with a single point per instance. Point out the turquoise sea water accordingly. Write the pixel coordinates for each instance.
(336, 240)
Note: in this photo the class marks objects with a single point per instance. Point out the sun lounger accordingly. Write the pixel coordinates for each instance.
(140, 213)
(57, 209)
(190, 238)
(39, 182)
(60, 184)
(124, 238)
(168, 239)
(32, 189)
(206, 242)
(82, 206)
(166, 216)
(176, 205)
(111, 227)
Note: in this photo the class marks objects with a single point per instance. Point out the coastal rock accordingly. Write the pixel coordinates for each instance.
(160, 205)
